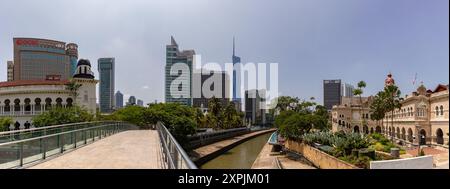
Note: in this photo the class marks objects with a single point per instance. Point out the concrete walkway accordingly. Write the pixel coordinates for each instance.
(135, 149)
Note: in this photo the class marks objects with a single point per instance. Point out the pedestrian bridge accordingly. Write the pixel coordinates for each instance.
(92, 145)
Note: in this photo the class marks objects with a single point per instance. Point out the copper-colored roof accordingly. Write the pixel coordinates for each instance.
(33, 82)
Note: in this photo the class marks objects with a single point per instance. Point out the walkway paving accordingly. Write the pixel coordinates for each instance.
(135, 149)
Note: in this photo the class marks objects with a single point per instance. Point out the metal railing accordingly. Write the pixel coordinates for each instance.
(172, 154)
(42, 131)
(17, 153)
(202, 139)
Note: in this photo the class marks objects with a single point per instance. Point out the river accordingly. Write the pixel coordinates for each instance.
(240, 157)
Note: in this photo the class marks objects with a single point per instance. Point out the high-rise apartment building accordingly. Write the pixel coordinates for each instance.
(39, 59)
(331, 93)
(106, 72)
(119, 100)
(178, 74)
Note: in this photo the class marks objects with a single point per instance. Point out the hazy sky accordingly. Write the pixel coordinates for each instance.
(311, 40)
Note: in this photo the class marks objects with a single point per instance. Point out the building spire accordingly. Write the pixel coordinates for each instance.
(233, 46)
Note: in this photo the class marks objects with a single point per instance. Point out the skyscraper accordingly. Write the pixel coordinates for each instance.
(347, 90)
(140, 102)
(178, 86)
(39, 59)
(131, 100)
(119, 100)
(10, 67)
(224, 86)
(331, 93)
(106, 71)
(236, 60)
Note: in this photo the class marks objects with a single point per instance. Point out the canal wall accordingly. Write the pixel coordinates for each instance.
(320, 159)
(205, 153)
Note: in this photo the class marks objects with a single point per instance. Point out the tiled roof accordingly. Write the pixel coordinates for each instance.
(33, 82)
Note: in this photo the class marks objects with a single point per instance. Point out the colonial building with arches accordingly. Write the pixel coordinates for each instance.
(23, 99)
(422, 119)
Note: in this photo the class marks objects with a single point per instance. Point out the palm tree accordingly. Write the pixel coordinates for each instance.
(377, 108)
(214, 109)
(393, 101)
(358, 92)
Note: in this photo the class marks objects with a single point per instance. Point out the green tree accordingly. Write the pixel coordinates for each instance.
(286, 103)
(296, 125)
(214, 115)
(392, 100)
(358, 92)
(58, 115)
(378, 108)
(5, 122)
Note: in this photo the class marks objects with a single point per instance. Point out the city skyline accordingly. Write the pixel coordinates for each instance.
(348, 40)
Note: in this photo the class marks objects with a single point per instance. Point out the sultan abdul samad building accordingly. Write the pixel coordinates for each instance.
(423, 118)
(38, 78)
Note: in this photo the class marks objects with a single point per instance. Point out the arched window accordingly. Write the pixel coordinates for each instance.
(437, 111)
(27, 105)
(69, 102)
(7, 108)
(442, 110)
(59, 102)
(17, 105)
(37, 104)
(48, 103)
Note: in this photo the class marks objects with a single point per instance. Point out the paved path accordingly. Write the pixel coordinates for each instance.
(135, 149)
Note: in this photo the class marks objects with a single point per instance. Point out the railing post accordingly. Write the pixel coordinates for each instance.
(74, 136)
(85, 136)
(61, 138)
(21, 154)
(44, 154)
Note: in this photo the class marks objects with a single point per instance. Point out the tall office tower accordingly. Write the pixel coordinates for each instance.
(72, 52)
(254, 112)
(119, 100)
(223, 86)
(10, 67)
(131, 100)
(236, 60)
(106, 71)
(178, 79)
(331, 93)
(41, 59)
(140, 102)
(347, 90)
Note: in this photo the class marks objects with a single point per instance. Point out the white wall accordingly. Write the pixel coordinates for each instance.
(423, 162)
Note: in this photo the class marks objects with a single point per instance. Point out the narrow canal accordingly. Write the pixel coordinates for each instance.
(240, 157)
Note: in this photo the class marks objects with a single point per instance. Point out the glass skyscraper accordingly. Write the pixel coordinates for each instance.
(179, 93)
(106, 71)
(119, 100)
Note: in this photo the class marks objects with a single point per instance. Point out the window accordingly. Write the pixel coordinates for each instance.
(442, 110)
(437, 111)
